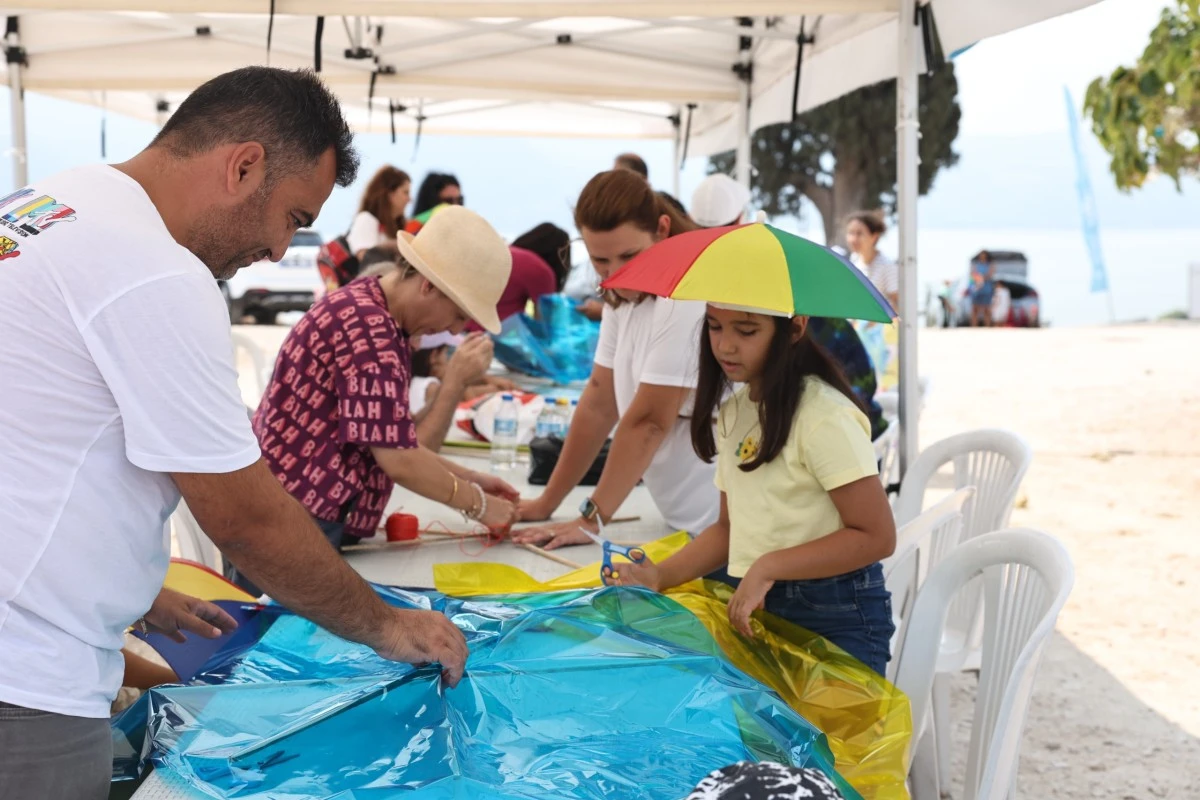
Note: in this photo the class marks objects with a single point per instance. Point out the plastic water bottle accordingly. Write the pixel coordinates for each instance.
(574, 408)
(504, 435)
(547, 421)
(562, 418)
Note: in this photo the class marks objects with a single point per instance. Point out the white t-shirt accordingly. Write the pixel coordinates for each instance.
(116, 368)
(365, 232)
(657, 341)
(882, 271)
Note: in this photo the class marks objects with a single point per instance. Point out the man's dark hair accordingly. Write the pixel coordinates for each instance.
(634, 163)
(290, 113)
(379, 254)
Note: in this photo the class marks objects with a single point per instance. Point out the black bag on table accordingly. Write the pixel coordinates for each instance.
(543, 456)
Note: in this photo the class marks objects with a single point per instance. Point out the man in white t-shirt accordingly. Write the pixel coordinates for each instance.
(120, 395)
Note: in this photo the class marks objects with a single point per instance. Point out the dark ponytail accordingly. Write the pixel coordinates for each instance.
(787, 366)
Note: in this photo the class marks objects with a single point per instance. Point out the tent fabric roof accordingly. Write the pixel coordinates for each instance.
(544, 67)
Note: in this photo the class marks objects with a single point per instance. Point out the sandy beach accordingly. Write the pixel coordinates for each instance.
(1113, 415)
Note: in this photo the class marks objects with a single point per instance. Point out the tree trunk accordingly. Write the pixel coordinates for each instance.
(849, 195)
(822, 198)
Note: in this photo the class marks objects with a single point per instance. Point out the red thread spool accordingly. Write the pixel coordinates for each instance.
(402, 528)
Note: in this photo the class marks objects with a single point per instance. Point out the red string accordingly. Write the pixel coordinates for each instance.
(479, 534)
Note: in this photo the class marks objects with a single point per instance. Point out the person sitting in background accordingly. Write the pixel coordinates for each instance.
(442, 381)
(378, 260)
(530, 279)
(553, 245)
(863, 231)
(437, 189)
(632, 162)
(1001, 305)
(983, 286)
(718, 201)
(381, 213)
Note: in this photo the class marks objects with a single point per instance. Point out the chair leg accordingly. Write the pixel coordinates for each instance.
(943, 729)
(923, 775)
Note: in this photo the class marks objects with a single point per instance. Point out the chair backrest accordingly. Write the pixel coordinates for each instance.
(920, 547)
(994, 462)
(191, 541)
(258, 362)
(1027, 576)
(887, 452)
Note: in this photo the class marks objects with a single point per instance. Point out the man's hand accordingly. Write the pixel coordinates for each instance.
(173, 613)
(470, 361)
(421, 637)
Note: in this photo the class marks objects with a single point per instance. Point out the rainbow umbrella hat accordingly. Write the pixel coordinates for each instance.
(755, 267)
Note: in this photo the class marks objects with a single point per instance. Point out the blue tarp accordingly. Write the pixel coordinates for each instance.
(560, 346)
(615, 693)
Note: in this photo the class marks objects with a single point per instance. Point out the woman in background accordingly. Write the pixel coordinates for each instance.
(381, 213)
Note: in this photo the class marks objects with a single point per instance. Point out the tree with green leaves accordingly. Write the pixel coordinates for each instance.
(841, 156)
(1148, 116)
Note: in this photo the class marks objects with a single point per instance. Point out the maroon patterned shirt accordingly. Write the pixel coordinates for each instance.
(340, 388)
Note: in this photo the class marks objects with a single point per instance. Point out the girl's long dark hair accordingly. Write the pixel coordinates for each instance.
(787, 366)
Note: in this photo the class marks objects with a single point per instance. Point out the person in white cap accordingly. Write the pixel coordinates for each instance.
(335, 425)
(719, 200)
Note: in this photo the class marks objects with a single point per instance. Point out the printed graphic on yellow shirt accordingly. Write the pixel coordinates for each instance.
(748, 449)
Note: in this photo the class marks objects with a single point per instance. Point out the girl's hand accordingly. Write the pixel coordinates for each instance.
(750, 596)
(647, 574)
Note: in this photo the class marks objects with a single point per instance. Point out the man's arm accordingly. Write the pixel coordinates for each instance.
(271, 538)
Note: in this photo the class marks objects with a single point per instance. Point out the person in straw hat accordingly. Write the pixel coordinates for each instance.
(335, 425)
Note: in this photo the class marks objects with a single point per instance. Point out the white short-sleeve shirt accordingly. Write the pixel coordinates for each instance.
(116, 368)
(657, 341)
(365, 232)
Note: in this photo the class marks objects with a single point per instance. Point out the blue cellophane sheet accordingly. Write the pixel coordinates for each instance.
(612, 693)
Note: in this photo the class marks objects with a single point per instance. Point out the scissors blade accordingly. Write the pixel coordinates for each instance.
(600, 540)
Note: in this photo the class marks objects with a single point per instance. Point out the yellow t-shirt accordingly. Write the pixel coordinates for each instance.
(786, 502)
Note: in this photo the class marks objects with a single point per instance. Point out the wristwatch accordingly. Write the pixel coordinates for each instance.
(590, 511)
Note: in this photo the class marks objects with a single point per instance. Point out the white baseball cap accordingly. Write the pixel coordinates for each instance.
(719, 200)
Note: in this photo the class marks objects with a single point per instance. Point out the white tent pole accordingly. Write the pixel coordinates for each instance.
(907, 160)
(16, 59)
(676, 156)
(744, 73)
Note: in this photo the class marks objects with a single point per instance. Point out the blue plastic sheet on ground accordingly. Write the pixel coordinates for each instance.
(559, 346)
(615, 693)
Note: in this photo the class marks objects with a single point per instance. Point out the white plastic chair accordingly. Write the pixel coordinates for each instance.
(1027, 576)
(887, 453)
(920, 547)
(994, 462)
(191, 542)
(258, 360)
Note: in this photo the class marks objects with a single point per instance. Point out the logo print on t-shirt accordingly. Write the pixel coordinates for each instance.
(27, 213)
(8, 248)
(747, 450)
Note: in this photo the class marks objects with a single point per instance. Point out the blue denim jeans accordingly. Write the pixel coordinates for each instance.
(854, 611)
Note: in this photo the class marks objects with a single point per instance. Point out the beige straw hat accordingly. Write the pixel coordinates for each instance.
(463, 256)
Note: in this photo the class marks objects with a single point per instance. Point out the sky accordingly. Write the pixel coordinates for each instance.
(1016, 168)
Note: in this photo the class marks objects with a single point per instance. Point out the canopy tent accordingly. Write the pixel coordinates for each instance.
(704, 73)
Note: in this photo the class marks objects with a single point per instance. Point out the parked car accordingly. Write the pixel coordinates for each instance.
(1012, 270)
(265, 288)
